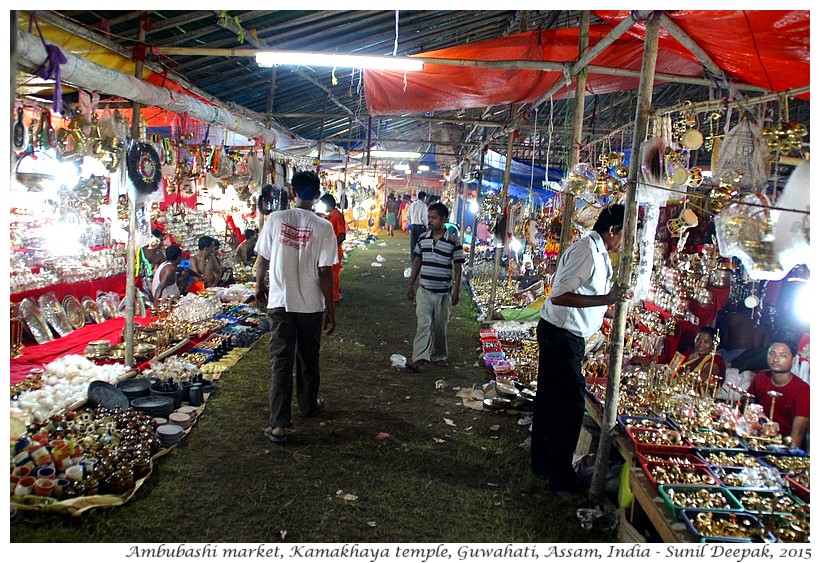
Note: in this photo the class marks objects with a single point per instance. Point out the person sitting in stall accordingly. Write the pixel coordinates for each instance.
(165, 276)
(700, 359)
(245, 254)
(187, 280)
(791, 408)
(150, 258)
(224, 273)
(204, 264)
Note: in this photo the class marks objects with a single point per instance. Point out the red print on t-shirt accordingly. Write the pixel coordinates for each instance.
(294, 237)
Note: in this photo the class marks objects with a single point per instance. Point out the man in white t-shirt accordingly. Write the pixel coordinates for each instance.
(297, 251)
(417, 219)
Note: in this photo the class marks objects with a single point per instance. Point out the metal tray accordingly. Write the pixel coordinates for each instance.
(92, 311)
(74, 311)
(35, 322)
(55, 314)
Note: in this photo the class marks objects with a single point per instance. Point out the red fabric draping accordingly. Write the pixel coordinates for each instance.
(37, 356)
(78, 290)
(766, 48)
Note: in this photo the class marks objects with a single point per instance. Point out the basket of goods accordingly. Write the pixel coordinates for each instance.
(682, 497)
(750, 477)
(678, 474)
(629, 421)
(767, 501)
(788, 528)
(665, 440)
(665, 456)
(726, 526)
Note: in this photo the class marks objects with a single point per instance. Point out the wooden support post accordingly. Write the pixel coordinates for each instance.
(645, 89)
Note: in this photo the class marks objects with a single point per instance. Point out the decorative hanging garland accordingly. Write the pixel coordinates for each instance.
(143, 167)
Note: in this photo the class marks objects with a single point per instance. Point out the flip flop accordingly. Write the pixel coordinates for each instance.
(275, 439)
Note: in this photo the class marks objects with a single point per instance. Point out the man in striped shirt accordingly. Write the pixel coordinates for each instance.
(437, 256)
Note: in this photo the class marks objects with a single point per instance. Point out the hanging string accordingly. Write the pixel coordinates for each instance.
(534, 139)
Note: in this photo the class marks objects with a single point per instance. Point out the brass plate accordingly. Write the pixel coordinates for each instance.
(74, 311)
(92, 311)
(55, 314)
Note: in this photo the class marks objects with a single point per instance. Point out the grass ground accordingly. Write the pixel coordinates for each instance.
(336, 480)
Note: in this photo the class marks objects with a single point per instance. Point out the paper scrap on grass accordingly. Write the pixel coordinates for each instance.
(440, 384)
(438, 440)
(495, 428)
(382, 435)
(376, 264)
(346, 496)
(449, 422)
(379, 258)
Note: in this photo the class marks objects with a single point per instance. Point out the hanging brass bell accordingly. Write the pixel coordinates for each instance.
(621, 171)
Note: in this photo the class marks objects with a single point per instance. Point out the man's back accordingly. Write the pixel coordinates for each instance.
(297, 242)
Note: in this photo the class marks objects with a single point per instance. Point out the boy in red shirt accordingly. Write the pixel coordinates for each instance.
(791, 410)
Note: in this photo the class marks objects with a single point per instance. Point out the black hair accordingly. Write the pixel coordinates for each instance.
(422, 195)
(306, 184)
(172, 253)
(328, 200)
(158, 233)
(707, 330)
(204, 242)
(440, 209)
(610, 216)
(249, 233)
(783, 337)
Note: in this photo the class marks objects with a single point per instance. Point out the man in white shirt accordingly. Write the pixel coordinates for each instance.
(417, 219)
(297, 251)
(574, 311)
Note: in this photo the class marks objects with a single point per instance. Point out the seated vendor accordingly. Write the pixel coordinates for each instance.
(700, 358)
(791, 409)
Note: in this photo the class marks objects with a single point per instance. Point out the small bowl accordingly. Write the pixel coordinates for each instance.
(159, 421)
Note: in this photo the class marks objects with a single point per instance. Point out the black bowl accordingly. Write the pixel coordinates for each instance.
(135, 388)
(156, 407)
(175, 395)
(105, 395)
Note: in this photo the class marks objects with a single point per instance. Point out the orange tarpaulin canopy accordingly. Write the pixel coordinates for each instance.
(762, 48)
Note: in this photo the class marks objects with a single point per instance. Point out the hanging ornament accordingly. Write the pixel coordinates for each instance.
(143, 166)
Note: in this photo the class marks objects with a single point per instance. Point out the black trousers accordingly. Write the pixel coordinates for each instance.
(294, 340)
(415, 232)
(559, 405)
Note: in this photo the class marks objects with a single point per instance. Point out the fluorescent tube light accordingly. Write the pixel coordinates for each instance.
(271, 58)
(401, 167)
(423, 168)
(395, 154)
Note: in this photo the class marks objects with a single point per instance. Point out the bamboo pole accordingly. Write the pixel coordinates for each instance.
(131, 247)
(642, 112)
(575, 138)
(475, 215)
(497, 249)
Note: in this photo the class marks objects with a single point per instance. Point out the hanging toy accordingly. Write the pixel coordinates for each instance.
(143, 166)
